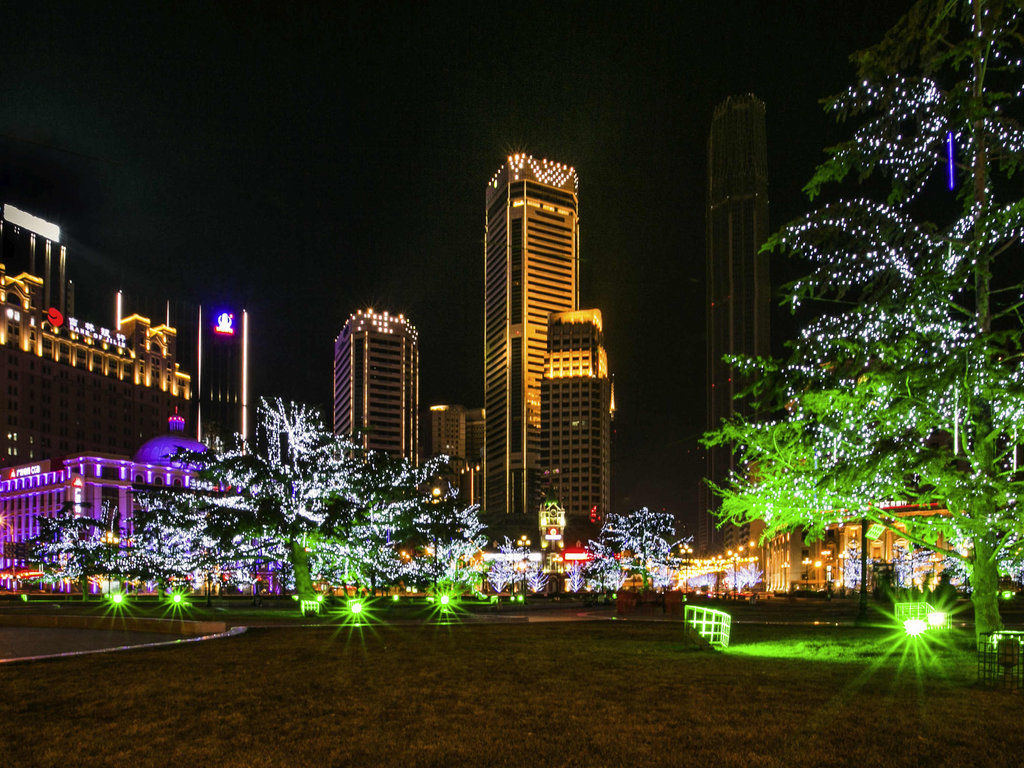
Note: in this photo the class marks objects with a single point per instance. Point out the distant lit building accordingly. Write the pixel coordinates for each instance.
(736, 280)
(74, 386)
(448, 431)
(576, 413)
(457, 432)
(376, 383)
(530, 266)
(476, 420)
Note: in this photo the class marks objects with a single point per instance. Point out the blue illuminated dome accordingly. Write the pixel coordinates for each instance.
(159, 450)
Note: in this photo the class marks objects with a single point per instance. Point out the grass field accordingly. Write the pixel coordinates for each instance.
(565, 694)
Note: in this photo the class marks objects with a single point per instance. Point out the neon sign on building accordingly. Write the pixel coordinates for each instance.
(225, 324)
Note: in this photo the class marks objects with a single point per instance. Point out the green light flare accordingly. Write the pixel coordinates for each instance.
(355, 607)
(309, 606)
(937, 619)
(445, 599)
(914, 627)
(395, 598)
(117, 597)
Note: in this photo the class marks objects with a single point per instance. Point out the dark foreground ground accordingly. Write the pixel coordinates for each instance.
(19, 642)
(608, 693)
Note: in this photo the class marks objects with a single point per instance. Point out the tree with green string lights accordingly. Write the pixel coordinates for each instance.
(905, 388)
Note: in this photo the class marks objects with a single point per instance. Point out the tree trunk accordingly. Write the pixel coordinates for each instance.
(300, 568)
(984, 589)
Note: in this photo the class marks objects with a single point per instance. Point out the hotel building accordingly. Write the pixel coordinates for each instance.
(576, 413)
(73, 386)
(376, 383)
(531, 253)
(737, 287)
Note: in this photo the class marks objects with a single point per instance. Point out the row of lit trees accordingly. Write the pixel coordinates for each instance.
(907, 380)
(310, 507)
(301, 503)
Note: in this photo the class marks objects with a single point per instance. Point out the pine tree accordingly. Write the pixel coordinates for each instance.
(906, 386)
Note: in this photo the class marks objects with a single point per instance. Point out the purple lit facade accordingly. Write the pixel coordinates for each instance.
(31, 491)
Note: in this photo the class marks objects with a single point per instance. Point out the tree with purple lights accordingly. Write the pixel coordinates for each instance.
(906, 383)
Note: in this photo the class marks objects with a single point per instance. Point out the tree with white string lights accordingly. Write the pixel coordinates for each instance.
(639, 543)
(901, 402)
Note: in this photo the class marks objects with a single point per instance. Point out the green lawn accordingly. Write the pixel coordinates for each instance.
(565, 694)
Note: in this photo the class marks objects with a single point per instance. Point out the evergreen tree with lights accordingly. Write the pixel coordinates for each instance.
(907, 386)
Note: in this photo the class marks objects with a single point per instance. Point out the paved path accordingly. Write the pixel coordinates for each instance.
(19, 642)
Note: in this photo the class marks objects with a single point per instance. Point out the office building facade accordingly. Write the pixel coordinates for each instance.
(737, 283)
(458, 433)
(376, 383)
(576, 415)
(531, 254)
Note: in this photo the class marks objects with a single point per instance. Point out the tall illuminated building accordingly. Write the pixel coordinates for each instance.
(221, 400)
(738, 290)
(531, 254)
(376, 383)
(213, 344)
(576, 414)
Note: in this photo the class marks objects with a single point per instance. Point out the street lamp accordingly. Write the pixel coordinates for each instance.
(112, 540)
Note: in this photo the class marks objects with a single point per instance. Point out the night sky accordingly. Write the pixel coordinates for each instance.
(308, 160)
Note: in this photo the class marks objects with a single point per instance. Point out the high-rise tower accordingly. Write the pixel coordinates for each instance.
(576, 407)
(737, 273)
(530, 270)
(376, 383)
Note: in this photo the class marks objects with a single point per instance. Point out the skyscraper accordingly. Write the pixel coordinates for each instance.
(213, 345)
(737, 273)
(530, 270)
(376, 383)
(576, 417)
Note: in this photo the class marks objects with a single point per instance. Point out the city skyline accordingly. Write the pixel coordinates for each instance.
(305, 180)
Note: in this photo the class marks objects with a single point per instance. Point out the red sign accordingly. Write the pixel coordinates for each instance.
(54, 317)
(576, 553)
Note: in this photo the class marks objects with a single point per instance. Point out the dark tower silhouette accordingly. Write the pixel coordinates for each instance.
(737, 276)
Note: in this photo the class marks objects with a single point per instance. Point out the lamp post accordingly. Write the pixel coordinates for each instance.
(111, 540)
(523, 543)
